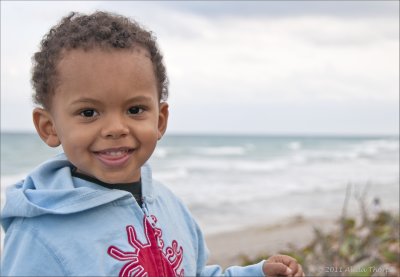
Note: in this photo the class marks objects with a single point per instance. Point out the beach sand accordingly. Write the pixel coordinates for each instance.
(228, 248)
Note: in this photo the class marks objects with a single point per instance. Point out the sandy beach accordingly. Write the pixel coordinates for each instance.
(228, 248)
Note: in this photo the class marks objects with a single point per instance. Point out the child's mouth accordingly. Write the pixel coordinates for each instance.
(114, 157)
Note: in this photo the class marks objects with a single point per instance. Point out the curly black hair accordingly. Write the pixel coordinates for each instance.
(98, 30)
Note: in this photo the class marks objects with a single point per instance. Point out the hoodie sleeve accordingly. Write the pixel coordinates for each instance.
(250, 270)
(24, 254)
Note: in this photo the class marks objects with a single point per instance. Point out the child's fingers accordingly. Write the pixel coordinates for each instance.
(290, 262)
(275, 269)
(294, 265)
(287, 260)
(299, 272)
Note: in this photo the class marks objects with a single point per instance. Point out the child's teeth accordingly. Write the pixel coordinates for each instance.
(115, 153)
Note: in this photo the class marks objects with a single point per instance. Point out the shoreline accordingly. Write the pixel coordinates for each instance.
(229, 248)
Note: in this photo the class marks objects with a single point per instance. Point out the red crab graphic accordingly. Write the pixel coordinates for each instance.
(149, 259)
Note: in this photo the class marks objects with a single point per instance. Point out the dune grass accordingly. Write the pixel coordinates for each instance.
(367, 245)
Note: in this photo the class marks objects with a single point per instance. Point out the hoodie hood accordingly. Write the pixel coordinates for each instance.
(50, 189)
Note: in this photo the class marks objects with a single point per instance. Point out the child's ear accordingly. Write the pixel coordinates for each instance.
(162, 119)
(45, 127)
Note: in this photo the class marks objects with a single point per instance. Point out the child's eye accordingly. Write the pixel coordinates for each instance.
(135, 110)
(88, 113)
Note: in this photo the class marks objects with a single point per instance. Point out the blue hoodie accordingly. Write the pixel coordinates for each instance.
(60, 225)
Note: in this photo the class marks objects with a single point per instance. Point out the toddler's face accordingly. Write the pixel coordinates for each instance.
(106, 112)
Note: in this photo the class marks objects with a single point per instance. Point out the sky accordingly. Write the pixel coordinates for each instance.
(241, 67)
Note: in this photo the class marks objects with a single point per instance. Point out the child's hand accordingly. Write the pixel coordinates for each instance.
(282, 265)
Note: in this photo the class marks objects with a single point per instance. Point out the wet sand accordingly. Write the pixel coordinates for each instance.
(228, 248)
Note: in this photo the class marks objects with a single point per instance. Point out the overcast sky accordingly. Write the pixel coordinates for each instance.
(284, 67)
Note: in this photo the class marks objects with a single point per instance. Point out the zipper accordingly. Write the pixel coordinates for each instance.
(145, 210)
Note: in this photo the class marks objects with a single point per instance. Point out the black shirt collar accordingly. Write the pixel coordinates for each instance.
(134, 188)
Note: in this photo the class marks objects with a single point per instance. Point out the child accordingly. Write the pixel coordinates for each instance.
(101, 86)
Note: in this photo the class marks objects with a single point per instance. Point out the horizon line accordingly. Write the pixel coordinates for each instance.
(248, 134)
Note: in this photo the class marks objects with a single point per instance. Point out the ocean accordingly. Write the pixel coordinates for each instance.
(232, 182)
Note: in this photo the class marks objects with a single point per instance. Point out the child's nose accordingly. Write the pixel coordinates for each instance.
(115, 127)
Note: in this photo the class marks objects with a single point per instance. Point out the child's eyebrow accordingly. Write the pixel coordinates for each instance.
(85, 100)
(140, 98)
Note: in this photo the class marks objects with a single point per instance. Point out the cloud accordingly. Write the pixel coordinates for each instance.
(280, 59)
(285, 9)
(238, 60)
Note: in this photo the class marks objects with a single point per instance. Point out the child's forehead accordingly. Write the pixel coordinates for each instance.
(68, 54)
(97, 68)
(125, 61)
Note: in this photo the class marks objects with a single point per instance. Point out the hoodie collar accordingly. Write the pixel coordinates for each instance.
(50, 189)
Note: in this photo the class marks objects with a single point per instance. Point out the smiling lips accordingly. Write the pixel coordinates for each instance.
(114, 157)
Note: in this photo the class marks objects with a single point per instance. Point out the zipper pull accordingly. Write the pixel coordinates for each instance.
(147, 213)
(144, 207)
